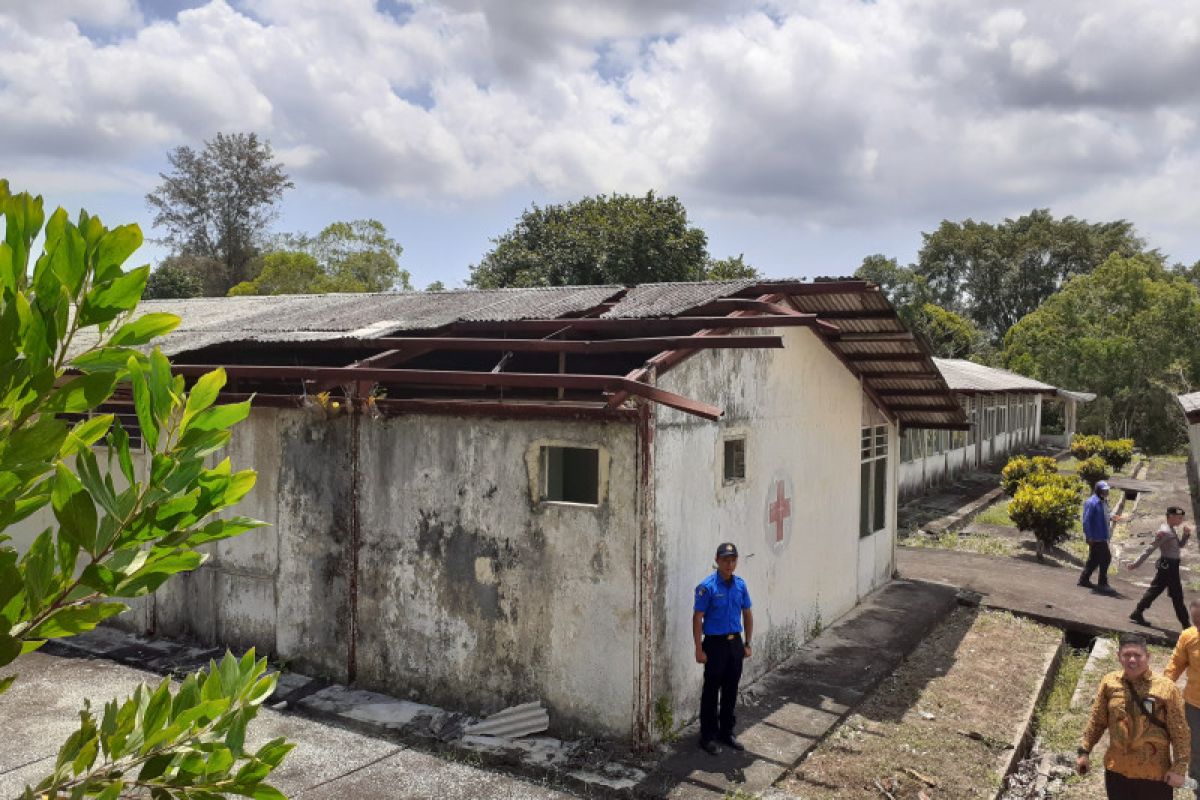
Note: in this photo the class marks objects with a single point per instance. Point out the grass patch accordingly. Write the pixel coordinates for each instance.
(1052, 718)
(996, 514)
(970, 676)
(964, 543)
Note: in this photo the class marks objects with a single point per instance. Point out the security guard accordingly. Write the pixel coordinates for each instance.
(721, 611)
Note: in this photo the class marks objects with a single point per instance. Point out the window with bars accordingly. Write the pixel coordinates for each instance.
(123, 414)
(873, 480)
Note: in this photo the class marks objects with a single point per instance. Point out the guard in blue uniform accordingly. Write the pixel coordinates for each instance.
(722, 614)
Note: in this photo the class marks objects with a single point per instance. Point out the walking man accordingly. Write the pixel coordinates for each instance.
(722, 614)
(1097, 531)
(1170, 543)
(1186, 660)
(1148, 740)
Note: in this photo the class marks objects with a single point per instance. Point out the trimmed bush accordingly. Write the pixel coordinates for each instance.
(1020, 468)
(1092, 469)
(1117, 452)
(1069, 482)
(1084, 447)
(1047, 510)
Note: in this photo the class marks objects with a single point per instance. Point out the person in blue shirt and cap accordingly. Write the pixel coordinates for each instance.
(722, 614)
(1097, 531)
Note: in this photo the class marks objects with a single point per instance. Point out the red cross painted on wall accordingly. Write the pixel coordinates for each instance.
(779, 510)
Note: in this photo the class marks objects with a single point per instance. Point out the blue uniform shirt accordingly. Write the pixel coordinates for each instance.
(722, 604)
(1095, 519)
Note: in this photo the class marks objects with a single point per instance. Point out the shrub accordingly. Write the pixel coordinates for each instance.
(1092, 469)
(1117, 452)
(1084, 447)
(1048, 510)
(1020, 468)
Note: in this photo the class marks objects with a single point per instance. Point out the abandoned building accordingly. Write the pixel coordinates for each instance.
(480, 498)
(1190, 403)
(1005, 412)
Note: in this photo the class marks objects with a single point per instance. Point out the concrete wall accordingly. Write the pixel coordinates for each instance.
(463, 590)
(799, 409)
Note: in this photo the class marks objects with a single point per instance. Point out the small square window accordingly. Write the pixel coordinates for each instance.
(735, 460)
(571, 474)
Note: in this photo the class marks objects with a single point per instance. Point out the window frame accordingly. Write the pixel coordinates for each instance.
(874, 455)
(726, 441)
(544, 473)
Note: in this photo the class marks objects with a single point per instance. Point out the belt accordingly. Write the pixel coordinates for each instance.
(727, 636)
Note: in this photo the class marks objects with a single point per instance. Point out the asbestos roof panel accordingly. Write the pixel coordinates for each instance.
(668, 299)
(1078, 397)
(967, 376)
(209, 321)
(1190, 403)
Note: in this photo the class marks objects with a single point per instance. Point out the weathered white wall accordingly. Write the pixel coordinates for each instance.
(799, 409)
(473, 594)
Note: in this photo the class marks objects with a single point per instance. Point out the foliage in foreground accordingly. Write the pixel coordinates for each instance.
(1047, 507)
(1020, 468)
(1091, 470)
(190, 743)
(68, 342)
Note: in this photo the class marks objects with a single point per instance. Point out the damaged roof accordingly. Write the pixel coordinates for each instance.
(405, 329)
(1190, 403)
(968, 377)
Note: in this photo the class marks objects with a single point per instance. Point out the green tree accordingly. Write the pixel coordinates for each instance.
(949, 335)
(436, 286)
(355, 256)
(219, 203)
(607, 239)
(996, 274)
(68, 340)
(173, 280)
(904, 288)
(728, 269)
(1129, 331)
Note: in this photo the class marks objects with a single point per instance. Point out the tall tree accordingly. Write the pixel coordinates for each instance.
(219, 203)
(356, 256)
(996, 274)
(950, 335)
(617, 239)
(175, 279)
(728, 269)
(903, 287)
(1129, 331)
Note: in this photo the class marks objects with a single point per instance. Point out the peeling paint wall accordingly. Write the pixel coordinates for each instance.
(799, 409)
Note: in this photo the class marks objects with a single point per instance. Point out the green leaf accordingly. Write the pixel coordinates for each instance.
(107, 359)
(142, 403)
(38, 566)
(221, 417)
(10, 648)
(6, 682)
(204, 394)
(144, 328)
(112, 791)
(267, 792)
(113, 297)
(114, 249)
(82, 393)
(74, 509)
(73, 620)
(85, 434)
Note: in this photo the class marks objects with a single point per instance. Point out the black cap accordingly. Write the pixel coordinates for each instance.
(726, 549)
(1176, 510)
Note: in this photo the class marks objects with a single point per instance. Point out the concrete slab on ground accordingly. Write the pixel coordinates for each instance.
(791, 709)
(41, 709)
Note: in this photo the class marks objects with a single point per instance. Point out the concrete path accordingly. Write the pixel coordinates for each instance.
(790, 710)
(42, 708)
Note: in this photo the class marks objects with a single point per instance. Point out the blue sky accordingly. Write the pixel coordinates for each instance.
(805, 135)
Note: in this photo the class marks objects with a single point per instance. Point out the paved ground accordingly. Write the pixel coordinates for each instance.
(1047, 592)
(785, 714)
(41, 710)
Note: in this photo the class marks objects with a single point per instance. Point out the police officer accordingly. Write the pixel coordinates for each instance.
(721, 612)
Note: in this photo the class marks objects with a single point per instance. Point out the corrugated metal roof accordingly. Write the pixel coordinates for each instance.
(967, 376)
(1078, 397)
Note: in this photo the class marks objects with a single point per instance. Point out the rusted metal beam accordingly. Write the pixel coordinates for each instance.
(886, 336)
(935, 426)
(933, 407)
(864, 313)
(910, 392)
(505, 410)
(886, 356)
(889, 375)
(813, 287)
(419, 345)
(426, 377)
(658, 324)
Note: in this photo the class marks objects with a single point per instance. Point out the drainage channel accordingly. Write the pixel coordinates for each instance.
(1043, 759)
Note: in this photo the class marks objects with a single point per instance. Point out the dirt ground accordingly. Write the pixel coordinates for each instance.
(942, 722)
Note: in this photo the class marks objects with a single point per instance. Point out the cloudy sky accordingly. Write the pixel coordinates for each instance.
(803, 134)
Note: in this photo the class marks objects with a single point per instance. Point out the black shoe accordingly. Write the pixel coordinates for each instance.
(732, 743)
(1085, 583)
(1137, 618)
(1104, 588)
(710, 747)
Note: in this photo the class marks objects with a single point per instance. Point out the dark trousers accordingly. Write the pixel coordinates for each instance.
(1099, 557)
(722, 671)
(1167, 577)
(1119, 787)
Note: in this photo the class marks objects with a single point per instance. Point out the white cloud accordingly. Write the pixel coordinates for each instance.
(824, 112)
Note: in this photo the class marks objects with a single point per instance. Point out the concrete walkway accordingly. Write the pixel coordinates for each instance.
(42, 709)
(790, 710)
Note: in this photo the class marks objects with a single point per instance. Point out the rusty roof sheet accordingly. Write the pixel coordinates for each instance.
(967, 376)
